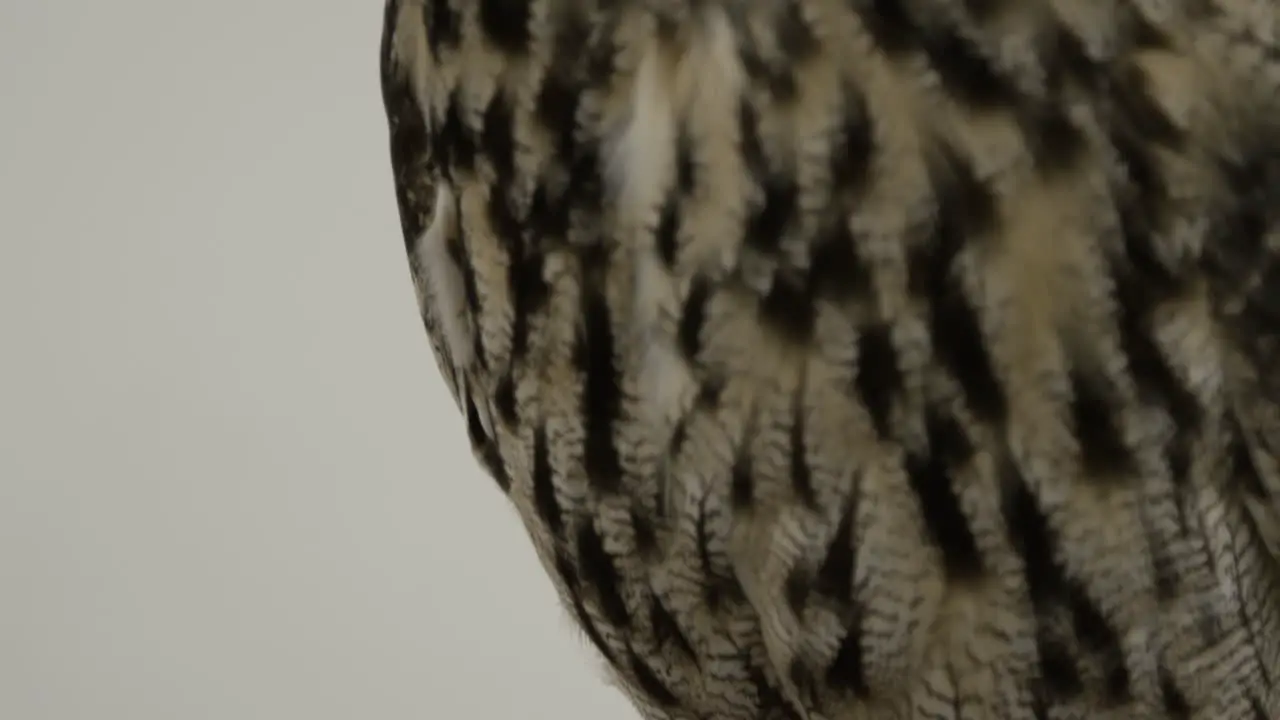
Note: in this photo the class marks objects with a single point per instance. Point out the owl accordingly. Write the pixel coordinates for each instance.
(868, 359)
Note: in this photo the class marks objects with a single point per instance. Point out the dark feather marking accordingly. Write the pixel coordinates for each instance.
(1055, 142)
(930, 476)
(557, 108)
(678, 437)
(768, 698)
(890, 25)
(1264, 297)
(444, 26)
(1096, 635)
(709, 393)
(506, 228)
(1137, 293)
(686, 169)
(566, 570)
(596, 568)
(788, 308)
(646, 538)
(529, 292)
(795, 38)
(651, 684)
(599, 60)
(455, 250)
(544, 490)
(984, 10)
(959, 344)
(802, 679)
(835, 576)
(1030, 534)
(1058, 670)
(693, 317)
(504, 400)
(781, 81)
(1139, 111)
(484, 447)
(801, 475)
(768, 222)
(455, 144)
(1104, 454)
(1166, 573)
(836, 271)
(506, 24)
(1175, 702)
(1244, 471)
(569, 574)
(1142, 282)
(665, 235)
(667, 630)
(749, 142)
(1237, 258)
(967, 75)
(879, 379)
(497, 144)
(796, 588)
(586, 189)
(966, 211)
(602, 397)
(1066, 58)
(1146, 35)
(854, 147)
(548, 221)
(1039, 706)
(743, 490)
(847, 671)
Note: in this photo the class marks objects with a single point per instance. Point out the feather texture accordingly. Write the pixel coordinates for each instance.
(869, 358)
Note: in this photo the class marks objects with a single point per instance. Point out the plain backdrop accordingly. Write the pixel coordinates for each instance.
(232, 486)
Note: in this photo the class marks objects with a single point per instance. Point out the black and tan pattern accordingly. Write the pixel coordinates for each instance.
(869, 358)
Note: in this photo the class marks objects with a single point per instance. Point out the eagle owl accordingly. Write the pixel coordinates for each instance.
(868, 358)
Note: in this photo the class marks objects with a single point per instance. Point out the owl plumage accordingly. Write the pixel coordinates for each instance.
(868, 358)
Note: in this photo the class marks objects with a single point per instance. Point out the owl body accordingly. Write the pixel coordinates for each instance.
(868, 359)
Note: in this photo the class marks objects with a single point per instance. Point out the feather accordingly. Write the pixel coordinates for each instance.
(871, 359)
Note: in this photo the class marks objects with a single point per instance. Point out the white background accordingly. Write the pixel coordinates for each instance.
(232, 486)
